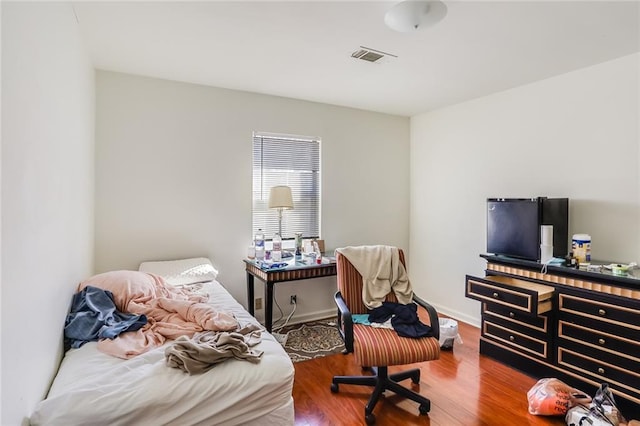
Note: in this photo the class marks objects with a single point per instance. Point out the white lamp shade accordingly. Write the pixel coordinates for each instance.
(280, 198)
(412, 15)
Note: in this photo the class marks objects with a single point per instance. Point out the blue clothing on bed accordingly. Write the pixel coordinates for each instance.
(93, 316)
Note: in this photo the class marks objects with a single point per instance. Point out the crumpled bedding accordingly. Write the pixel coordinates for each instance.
(171, 312)
(93, 388)
(207, 349)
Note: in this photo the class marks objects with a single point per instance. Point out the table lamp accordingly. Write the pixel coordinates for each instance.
(280, 198)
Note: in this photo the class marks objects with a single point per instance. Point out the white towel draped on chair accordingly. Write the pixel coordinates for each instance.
(381, 272)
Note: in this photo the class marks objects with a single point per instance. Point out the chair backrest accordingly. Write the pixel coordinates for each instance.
(350, 284)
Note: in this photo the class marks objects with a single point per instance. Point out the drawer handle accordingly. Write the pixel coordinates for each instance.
(512, 315)
(512, 338)
(602, 312)
(601, 370)
(601, 341)
(495, 295)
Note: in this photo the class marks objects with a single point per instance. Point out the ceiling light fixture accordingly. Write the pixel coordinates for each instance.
(412, 15)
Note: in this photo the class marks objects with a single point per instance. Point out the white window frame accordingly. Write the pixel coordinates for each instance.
(292, 160)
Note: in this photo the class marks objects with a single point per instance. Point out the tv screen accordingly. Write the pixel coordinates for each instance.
(513, 227)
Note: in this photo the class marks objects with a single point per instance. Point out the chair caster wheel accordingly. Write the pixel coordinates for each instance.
(424, 409)
(334, 388)
(370, 419)
(415, 379)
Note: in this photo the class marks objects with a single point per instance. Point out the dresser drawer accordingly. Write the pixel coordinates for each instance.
(617, 343)
(518, 295)
(600, 310)
(538, 323)
(515, 340)
(621, 373)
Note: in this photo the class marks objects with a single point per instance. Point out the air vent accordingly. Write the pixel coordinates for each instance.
(366, 55)
(371, 55)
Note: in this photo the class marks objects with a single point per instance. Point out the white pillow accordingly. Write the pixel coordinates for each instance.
(182, 272)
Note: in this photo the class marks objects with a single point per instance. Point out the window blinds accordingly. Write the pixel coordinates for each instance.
(293, 161)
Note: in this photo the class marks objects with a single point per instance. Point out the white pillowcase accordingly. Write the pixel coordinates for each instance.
(182, 272)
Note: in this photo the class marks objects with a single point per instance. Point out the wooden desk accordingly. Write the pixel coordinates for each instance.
(296, 270)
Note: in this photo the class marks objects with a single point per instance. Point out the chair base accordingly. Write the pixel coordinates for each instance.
(381, 381)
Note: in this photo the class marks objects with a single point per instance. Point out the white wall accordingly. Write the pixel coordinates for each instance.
(173, 177)
(574, 135)
(47, 193)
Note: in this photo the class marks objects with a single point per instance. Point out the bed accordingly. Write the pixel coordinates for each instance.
(92, 387)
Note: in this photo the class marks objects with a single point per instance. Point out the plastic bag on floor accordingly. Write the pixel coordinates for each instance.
(552, 397)
(448, 333)
(602, 411)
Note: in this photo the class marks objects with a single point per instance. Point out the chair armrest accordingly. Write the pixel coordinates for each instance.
(345, 322)
(433, 315)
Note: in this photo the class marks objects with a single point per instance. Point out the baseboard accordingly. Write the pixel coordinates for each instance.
(460, 316)
(314, 316)
(302, 318)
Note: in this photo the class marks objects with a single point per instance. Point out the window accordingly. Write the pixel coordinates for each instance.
(293, 161)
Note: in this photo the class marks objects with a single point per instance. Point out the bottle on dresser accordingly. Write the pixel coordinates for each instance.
(259, 244)
(276, 251)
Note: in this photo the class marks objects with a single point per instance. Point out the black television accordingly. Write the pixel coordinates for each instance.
(513, 226)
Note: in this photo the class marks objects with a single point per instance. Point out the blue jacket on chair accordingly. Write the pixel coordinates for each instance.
(404, 319)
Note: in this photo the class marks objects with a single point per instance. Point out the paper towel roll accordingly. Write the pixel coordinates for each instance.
(546, 253)
(546, 235)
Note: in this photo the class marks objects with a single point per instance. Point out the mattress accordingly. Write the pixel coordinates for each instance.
(98, 389)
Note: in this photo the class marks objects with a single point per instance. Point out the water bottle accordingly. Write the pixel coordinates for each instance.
(259, 242)
(298, 245)
(276, 252)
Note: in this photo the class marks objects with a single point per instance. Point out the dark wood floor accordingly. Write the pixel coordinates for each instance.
(464, 387)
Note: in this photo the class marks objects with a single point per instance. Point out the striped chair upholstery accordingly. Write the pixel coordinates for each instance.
(378, 347)
(375, 346)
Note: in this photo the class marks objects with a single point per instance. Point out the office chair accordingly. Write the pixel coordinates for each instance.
(378, 348)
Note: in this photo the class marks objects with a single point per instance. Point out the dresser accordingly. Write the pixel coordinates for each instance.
(579, 326)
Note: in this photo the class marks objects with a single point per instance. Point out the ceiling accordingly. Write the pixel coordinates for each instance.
(302, 49)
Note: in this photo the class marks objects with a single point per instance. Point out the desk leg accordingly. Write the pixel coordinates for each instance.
(250, 293)
(268, 305)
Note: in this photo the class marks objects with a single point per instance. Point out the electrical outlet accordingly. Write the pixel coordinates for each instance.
(258, 303)
(293, 300)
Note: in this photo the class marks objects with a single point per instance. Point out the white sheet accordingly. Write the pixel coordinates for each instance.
(94, 388)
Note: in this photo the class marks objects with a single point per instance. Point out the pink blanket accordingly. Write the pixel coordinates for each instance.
(171, 312)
